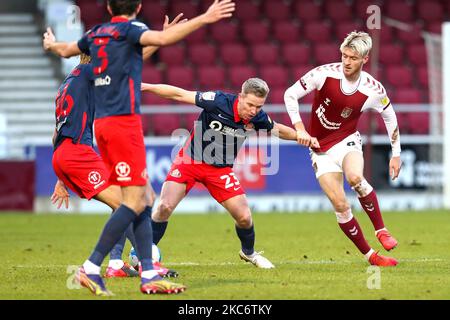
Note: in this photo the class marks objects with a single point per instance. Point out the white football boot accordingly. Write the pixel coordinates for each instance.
(257, 260)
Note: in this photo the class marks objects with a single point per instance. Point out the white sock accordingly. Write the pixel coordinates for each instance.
(116, 264)
(368, 254)
(376, 232)
(149, 274)
(91, 268)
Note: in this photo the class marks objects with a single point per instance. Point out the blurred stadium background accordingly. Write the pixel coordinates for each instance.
(276, 40)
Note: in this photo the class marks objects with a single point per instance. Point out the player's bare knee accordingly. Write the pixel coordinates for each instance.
(354, 179)
(341, 206)
(244, 220)
(363, 188)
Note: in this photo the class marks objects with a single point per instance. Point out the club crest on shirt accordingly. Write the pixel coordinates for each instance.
(346, 112)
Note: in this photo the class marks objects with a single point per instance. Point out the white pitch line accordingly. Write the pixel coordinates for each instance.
(191, 263)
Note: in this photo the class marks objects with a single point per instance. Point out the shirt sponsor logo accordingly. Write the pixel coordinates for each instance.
(99, 82)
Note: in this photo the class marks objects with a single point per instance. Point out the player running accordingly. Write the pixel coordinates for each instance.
(208, 158)
(342, 92)
(116, 51)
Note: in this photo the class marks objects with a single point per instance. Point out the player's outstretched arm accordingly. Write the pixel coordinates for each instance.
(60, 195)
(62, 49)
(148, 51)
(170, 92)
(217, 11)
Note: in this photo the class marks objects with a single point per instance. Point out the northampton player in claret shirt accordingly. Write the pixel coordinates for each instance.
(116, 51)
(209, 154)
(342, 93)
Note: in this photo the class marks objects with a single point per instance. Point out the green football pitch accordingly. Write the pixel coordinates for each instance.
(313, 258)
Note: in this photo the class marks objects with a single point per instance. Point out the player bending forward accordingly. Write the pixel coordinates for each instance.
(208, 157)
(342, 92)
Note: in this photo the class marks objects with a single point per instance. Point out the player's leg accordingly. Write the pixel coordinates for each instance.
(112, 196)
(332, 185)
(171, 194)
(353, 165)
(238, 207)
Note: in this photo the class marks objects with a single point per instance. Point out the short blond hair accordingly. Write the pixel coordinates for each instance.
(360, 42)
(256, 86)
(84, 59)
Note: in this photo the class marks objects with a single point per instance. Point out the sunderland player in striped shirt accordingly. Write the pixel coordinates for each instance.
(116, 51)
(208, 156)
(342, 92)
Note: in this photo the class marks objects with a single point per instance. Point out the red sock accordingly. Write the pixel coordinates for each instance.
(353, 231)
(370, 205)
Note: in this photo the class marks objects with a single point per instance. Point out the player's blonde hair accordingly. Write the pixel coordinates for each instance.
(360, 42)
(84, 58)
(255, 86)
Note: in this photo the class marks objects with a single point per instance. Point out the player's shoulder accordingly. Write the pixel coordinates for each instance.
(371, 86)
(333, 70)
(138, 24)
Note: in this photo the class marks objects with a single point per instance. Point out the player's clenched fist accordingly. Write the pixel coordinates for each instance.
(306, 140)
(49, 39)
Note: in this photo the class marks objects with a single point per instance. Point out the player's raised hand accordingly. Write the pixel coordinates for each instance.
(175, 21)
(395, 164)
(219, 10)
(49, 39)
(60, 195)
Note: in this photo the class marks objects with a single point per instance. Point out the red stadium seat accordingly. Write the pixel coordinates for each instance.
(202, 54)
(277, 10)
(224, 32)
(399, 76)
(198, 36)
(400, 10)
(275, 76)
(412, 36)
(387, 34)
(407, 95)
(164, 124)
(317, 32)
(188, 120)
(299, 71)
(255, 32)
(344, 28)
(435, 27)
(239, 74)
(418, 122)
(307, 11)
(181, 77)
(188, 8)
(338, 11)
(247, 10)
(93, 13)
(286, 32)
(392, 54)
(265, 53)
(296, 54)
(154, 11)
(422, 76)
(430, 11)
(234, 54)
(211, 77)
(174, 55)
(152, 99)
(364, 123)
(151, 75)
(417, 54)
(327, 53)
(276, 95)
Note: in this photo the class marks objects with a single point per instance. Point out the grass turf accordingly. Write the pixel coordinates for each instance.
(314, 259)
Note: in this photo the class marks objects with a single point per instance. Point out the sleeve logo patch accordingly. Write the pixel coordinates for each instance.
(208, 96)
(385, 101)
(139, 24)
